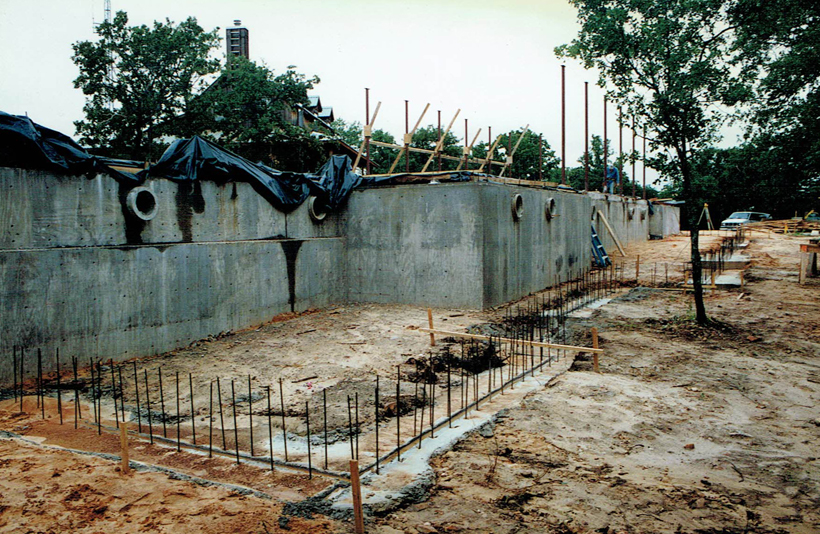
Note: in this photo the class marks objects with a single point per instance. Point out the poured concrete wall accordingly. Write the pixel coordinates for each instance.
(458, 244)
(78, 272)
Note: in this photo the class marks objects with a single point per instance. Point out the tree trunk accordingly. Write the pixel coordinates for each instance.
(692, 212)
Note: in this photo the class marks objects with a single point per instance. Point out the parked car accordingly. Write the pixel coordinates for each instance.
(740, 218)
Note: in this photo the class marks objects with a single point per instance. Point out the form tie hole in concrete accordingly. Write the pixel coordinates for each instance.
(142, 203)
(549, 209)
(317, 209)
(517, 207)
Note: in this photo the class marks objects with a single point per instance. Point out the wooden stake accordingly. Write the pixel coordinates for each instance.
(356, 492)
(440, 142)
(637, 269)
(124, 447)
(595, 346)
(611, 232)
(430, 321)
(410, 135)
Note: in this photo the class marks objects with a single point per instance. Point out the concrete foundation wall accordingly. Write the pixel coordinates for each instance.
(417, 244)
(529, 254)
(628, 218)
(78, 272)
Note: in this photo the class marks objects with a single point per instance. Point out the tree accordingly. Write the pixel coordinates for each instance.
(779, 40)
(670, 63)
(526, 158)
(247, 104)
(137, 78)
(351, 133)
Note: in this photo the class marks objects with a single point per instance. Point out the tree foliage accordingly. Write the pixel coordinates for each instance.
(668, 62)
(527, 157)
(137, 78)
(248, 104)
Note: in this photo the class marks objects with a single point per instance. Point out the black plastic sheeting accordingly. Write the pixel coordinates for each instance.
(27, 145)
(198, 159)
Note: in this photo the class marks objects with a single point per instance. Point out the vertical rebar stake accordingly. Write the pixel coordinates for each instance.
(137, 392)
(398, 413)
(235, 429)
(193, 424)
(179, 419)
(270, 428)
(59, 393)
(148, 403)
(114, 392)
(250, 412)
(284, 432)
(14, 368)
(376, 409)
(307, 423)
(221, 414)
(350, 427)
(211, 419)
(162, 404)
(324, 416)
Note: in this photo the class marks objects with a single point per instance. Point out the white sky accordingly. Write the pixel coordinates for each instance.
(493, 59)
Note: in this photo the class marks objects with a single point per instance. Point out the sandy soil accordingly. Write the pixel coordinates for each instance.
(685, 430)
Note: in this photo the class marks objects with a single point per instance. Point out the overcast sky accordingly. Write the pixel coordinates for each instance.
(493, 59)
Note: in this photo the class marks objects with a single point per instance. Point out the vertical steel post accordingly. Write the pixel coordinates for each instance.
(586, 136)
(563, 126)
(367, 122)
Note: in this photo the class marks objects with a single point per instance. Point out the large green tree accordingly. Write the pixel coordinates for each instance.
(248, 104)
(779, 40)
(670, 63)
(137, 78)
(527, 158)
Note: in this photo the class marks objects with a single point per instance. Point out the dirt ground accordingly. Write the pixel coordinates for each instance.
(686, 429)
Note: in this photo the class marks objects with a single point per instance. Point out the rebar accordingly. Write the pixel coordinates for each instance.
(179, 419)
(235, 428)
(250, 412)
(162, 404)
(282, 402)
(221, 414)
(114, 392)
(350, 427)
(148, 402)
(324, 417)
(59, 393)
(211, 419)
(307, 422)
(193, 414)
(137, 393)
(270, 430)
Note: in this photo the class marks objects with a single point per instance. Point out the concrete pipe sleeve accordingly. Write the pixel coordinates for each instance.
(142, 203)
(317, 209)
(517, 207)
(549, 208)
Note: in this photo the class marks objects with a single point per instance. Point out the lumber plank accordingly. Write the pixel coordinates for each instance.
(612, 233)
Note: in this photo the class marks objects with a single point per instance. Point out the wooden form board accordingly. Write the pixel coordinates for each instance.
(611, 232)
(570, 348)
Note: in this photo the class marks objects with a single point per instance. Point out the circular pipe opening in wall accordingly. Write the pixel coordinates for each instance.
(549, 208)
(643, 214)
(594, 213)
(517, 207)
(142, 203)
(317, 209)
(630, 213)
